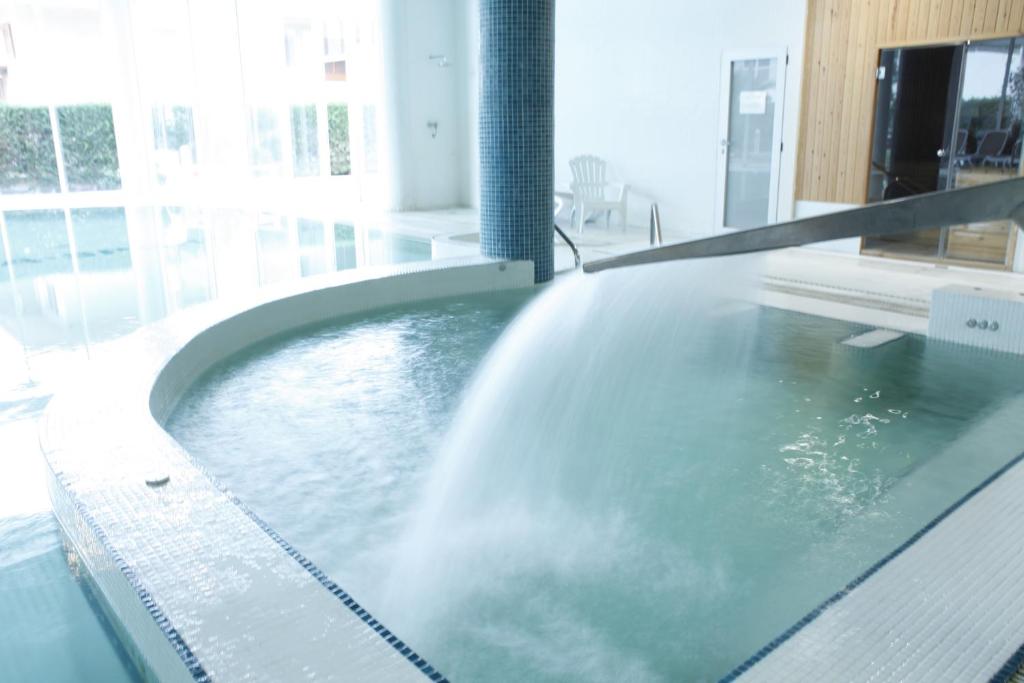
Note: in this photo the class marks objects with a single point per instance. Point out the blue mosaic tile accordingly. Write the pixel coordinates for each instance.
(517, 132)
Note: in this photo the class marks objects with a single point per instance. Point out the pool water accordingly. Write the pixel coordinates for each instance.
(50, 628)
(367, 388)
(656, 518)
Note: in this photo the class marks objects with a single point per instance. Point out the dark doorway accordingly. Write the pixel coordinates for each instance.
(947, 116)
(914, 111)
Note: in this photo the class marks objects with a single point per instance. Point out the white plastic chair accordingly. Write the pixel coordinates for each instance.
(590, 191)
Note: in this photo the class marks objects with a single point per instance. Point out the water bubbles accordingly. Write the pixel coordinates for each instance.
(799, 462)
(876, 394)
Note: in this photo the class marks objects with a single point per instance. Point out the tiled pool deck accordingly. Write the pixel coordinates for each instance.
(206, 590)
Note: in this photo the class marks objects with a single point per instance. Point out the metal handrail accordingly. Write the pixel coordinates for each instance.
(656, 240)
(575, 251)
(1002, 200)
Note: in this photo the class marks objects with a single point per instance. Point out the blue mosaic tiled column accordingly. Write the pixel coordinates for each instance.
(517, 42)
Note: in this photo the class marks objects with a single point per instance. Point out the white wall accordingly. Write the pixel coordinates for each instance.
(638, 84)
(470, 22)
(428, 172)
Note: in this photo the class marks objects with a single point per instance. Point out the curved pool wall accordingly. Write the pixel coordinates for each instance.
(202, 587)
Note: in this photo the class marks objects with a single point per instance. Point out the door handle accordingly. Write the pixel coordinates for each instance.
(941, 153)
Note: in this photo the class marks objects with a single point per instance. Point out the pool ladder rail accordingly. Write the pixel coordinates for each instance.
(572, 245)
(998, 201)
(656, 238)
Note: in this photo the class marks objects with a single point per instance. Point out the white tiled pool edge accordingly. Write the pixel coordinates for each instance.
(947, 604)
(204, 588)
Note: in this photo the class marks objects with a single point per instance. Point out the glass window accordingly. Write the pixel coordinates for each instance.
(337, 133)
(39, 243)
(187, 276)
(47, 302)
(335, 68)
(312, 256)
(265, 148)
(88, 145)
(344, 246)
(305, 152)
(174, 141)
(273, 249)
(370, 137)
(299, 44)
(108, 286)
(989, 131)
(101, 239)
(28, 162)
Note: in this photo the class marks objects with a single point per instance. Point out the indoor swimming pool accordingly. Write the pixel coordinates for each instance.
(615, 487)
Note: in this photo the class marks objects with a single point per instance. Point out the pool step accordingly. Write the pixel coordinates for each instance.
(873, 338)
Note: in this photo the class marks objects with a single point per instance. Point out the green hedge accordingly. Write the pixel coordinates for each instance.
(27, 160)
(337, 137)
(90, 151)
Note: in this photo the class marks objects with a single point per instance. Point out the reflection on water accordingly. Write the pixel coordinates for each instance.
(72, 279)
(50, 630)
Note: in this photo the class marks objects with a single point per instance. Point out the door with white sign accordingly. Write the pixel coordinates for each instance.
(750, 139)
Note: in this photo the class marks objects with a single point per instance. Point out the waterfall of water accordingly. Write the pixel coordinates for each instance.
(561, 465)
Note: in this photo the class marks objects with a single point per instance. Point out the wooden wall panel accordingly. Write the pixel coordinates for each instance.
(840, 56)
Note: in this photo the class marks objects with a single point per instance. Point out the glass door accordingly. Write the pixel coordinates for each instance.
(947, 116)
(987, 146)
(915, 111)
(750, 145)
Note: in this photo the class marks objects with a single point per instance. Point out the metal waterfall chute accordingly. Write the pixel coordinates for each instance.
(1001, 200)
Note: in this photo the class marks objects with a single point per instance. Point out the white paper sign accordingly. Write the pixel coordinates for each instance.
(753, 101)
